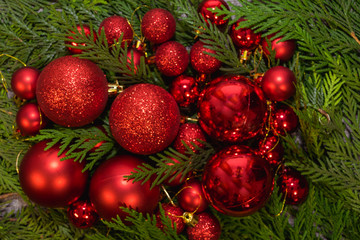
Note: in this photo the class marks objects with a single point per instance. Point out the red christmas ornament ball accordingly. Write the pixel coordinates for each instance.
(272, 150)
(174, 213)
(204, 10)
(23, 82)
(237, 182)
(158, 25)
(144, 119)
(30, 120)
(115, 27)
(82, 214)
(185, 90)
(110, 190)
(171, 58)
(278, 83)
(133, 58)
(207, 228)
(283, 50)
(48, 181)
(201, 61)
(294, 186)
(284, 119)
(191, 198)
(172, 181)
(189, 133)
(87, 32)
(72, 92)
(231, 109)
(244, 38)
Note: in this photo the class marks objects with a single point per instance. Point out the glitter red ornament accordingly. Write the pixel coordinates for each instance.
(158, 25)
(189, 133)
(48, 181)
(237, 182)
(293, 185)
(272, 150)
(175, 214)
(284, 119)
(72, 92)
(23, 82)
(231, 109)
(207, 228)
(185, 90)
(144, 119)
(217, 20)
(85, 29)
(283, 50)
(278, 83)
(201, 61)
(30, 120)
(171, 58)
(244, 38)
(82, 214)
(110, 190)
(115, 27)
(191, 197)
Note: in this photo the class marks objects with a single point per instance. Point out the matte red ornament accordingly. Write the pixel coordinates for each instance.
(23, 82)
(175, 214)
(48, 181)
(272, 150)
(82, 214)
(72, 92)
(191, 198)
(189, 133)
(171, 58)
(237, 182)
(293, 185)
(214, 18)
(30, 120)
(144, 119)
(110, 190)
(115, 27)
(87, 32)
(178, 180)
(207, 228)
(244, 38)
(283, 50)
(201, 61)
(284, 119)
(185, 90)
(231, 109)
(278, 83)
(158, 25)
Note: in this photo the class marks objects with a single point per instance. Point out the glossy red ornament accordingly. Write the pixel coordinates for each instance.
(178, 180)
(175, 214)
(293, 185)
(278, 83)
(110, 190)
(133, 58)
(72, 92)
(30, 120)
(237, 182)
(87, 32)
(244, 38)
(48, 181)
(283, 50)
(185, 90)
(231, 109)
(219, 21)
(115, 27)
(191, 197)
(158, 25)
(171, 58)
(201, 61)
(284, 119)
(23, 82)
(144, 119)
(272, 150)
(189, 133)
(82, 214)
(207, 228)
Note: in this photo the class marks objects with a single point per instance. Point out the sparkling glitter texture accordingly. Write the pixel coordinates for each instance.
(207, 228)
(189, 133)
(114, 27)
(172, 58)
(244, 38)
(87, 32)
(158, 25)
(82, 214)
(201, 61)
(174, 213)
(72, 92)
(144, 119)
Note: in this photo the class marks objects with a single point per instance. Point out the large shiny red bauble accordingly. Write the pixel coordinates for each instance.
(283, 50)
(171, 58)
(278, 83)
(207, 228)
(144, 119)
(48, 181)
(231, 109)
(110, 190)
(87, 32)
(284, 119)
(82, 214)
(272, 150)
(191, 198)
(237, 182)
(219, 21)
(201, 61)
(30, 120)
(72, 92)
(115, 27)
(175, 214)
(189, 133)
(158, 25)
(185, 90)
(293, 185)
(23, 82)
(244, 38)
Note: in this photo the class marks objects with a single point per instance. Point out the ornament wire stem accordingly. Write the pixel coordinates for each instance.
(168, 195)
(2, 76)
(283, 205)
(17, 162)
(354, 37)
(325, 114)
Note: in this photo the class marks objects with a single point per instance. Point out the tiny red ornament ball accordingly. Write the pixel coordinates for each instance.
(207, 228)
(214, 18)
(133, 58)
(72, 92)
(284, 119)
(23, 82)
(144, 119)
(283, 50)
(175, 214)
(115, 27)
(244, 38)
(293, 185)
(191, 198)
(272, 150)
(185, 90)
(172, 181)
(87, 32)
(82, 214)
(30, 120)
(171, 58)
(48, 181)
(201, 61)
(110, 190)
(158, 25)
(278, 83)
(237, 182)
(189, 133)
